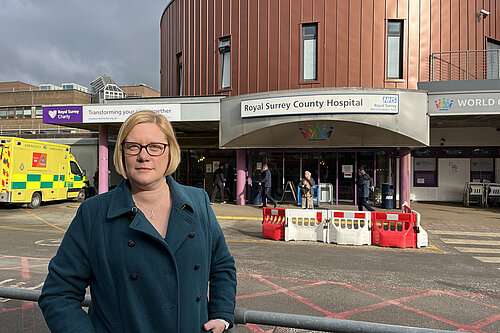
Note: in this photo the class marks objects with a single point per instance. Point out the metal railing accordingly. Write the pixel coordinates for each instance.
(245, 316)
(464, 65)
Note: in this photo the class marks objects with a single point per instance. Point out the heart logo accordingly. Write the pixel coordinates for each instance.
(52, 113)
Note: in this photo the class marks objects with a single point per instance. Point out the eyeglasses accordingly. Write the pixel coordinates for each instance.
(134, 148)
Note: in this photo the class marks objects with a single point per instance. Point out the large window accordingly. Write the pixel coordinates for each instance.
(179, 74)
(309, 51)
(395, 49)
(225, 62)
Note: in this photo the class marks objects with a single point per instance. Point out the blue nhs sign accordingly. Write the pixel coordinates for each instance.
(390, 99)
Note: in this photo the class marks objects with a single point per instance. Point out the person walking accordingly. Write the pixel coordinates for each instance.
(306, 191)
(265, 182)
(219, 183)
(365, 184)
(150, 249)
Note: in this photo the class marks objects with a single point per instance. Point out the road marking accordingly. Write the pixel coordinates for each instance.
(239, 218)
(469, 241)
(29, 229)
(477, 249)
(465, 233)
(6, 281)
(493, 260)
(49, 242)
(48, 223)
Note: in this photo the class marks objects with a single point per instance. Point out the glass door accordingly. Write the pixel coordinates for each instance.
(346, 177)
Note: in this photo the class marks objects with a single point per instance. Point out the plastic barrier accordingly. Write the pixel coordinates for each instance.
(349, 227)
(273, 223)
(305, 224)
(422, 236)
(398, 229)
(492, 194)
(474, 192)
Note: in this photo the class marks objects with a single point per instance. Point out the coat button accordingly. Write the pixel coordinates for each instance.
(133, 276)
(196, 267)
(191, 234)
(198, 298)
(131, 243)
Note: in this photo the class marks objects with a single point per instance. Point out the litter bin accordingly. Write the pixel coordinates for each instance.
(387, 196)
(256, 194)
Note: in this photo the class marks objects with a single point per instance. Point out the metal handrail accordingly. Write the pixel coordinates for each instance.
(245, 316)
(464, 65)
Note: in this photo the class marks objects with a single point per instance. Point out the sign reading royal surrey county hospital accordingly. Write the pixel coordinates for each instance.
(110, 113)
(464, 104)
(318, 104)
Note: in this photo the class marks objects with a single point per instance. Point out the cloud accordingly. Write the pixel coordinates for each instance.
(57, 41)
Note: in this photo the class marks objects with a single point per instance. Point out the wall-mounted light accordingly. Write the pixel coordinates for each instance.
(483, 13)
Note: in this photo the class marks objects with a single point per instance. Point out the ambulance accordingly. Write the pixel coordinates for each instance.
(33, 172)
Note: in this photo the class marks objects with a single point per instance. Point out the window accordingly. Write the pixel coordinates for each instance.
(225, 62)
(179, 74)
(424, 167)
(395, 49)
(309, 51)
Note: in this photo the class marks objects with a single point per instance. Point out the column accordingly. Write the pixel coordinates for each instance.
(103, 158)
(405, 175)
(240, 177)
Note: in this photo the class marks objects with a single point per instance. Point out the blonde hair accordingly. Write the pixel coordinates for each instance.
(147, 116)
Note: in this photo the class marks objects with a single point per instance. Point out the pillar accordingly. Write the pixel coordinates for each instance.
(405, 175)
(240, 177)
(103, 158)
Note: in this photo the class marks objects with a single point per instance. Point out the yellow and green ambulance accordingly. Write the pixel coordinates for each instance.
(33, 172)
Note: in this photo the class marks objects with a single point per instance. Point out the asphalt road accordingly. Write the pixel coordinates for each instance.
(444, 286)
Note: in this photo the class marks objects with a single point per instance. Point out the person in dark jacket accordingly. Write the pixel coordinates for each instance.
(265, 182)
(151, 250)
(219, 183)
(364, 183)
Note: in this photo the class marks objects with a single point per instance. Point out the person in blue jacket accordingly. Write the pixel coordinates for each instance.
(151, 250)
(365, 184)
(265, 182)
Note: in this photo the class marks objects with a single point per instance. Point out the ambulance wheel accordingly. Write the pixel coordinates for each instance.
(36, 200)
(81, 195)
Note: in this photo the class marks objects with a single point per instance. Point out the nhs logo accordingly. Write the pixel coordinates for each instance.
(390, 99)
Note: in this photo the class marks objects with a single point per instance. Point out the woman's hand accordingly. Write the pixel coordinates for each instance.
(215, 325)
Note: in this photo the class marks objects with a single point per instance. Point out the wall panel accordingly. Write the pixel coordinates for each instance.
(266, 41)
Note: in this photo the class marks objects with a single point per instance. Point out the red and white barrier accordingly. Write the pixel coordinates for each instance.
(273, 223)
(349, 227)
(305, 225)
(398, 229)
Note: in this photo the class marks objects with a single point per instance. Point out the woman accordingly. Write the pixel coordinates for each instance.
(149, 249)
(306, 191)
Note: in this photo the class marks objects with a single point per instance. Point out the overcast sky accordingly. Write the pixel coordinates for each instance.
(59, 41)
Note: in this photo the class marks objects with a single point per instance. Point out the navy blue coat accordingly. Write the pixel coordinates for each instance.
(265, 180)
(140, 282)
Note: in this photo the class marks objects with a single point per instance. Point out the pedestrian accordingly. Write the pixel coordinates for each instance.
(365, 184)
(96, 181)
(306, 191)
(229, 186)
(149, 249)
(265, 183)
(218, 183)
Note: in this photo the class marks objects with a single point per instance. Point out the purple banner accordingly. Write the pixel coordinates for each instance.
(62, 114)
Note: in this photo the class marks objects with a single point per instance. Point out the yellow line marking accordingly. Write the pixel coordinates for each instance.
(493, 260)
(46, 222)
(239, 218)
(465, 233)
(477, 249)
(469, 241)
(29, 229)
(436, 248)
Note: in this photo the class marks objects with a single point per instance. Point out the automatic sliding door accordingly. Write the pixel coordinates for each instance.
(346, 176)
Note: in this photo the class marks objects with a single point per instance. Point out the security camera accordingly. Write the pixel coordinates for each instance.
(484, 12)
